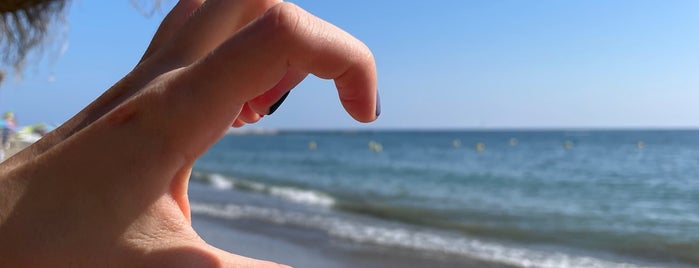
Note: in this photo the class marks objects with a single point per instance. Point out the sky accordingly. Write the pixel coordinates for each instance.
(483, 64)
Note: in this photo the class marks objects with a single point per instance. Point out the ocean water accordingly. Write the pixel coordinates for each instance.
(522, 198)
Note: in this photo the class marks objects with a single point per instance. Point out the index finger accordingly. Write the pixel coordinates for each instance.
(288, 37)
(257, 57)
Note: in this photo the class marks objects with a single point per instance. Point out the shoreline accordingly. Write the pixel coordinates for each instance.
(281, 240)
(271, 228)
(301, 247)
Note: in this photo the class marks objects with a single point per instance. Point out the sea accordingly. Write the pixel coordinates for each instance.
(534, 198)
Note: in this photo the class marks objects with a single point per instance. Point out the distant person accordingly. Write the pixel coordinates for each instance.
(9, 126)
(109, 187)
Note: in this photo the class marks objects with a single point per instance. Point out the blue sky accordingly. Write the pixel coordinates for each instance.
(445, 64)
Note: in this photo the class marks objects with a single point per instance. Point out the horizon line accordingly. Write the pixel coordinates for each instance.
(473, 129)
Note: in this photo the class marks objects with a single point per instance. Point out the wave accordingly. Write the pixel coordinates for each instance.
(292, 194)
(406, 237)
(220, 182)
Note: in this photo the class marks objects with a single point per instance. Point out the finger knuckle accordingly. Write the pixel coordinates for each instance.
(285, 20)
(263, 5)
(191, 5)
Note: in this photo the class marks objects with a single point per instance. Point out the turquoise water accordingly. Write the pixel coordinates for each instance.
(527, 198)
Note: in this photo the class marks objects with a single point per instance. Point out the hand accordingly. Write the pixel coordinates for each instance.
(109, 187)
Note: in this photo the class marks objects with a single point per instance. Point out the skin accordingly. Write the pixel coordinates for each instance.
(109, 187)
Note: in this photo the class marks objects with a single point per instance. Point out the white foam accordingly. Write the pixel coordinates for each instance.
(221, 182)
(255, 186)
(302, 196)
(408, 238)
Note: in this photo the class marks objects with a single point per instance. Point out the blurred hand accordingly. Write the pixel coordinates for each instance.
(109, 187)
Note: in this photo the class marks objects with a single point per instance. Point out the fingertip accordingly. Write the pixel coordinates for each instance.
(359, 95)
(238, 123)
(357, 85)
(247, 115)
(277, 104)
(364, 111)
(269, 101)
(378, 105)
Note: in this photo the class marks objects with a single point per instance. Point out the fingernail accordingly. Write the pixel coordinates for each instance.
(276, 105)
(378, 104)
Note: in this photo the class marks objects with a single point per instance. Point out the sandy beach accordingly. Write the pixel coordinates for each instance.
(14, 148)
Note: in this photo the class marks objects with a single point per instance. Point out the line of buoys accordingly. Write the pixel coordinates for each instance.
(373, 145)
(456, 143)
(568, 145)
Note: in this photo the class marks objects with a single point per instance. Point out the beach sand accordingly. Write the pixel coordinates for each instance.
(300, 247)
(15, 148)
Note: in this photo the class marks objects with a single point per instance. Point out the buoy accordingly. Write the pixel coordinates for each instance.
(375, 146)
(568, 145)
(312, 145)
(456, 143)
(640, 145)
(480, 147)
(513, 142)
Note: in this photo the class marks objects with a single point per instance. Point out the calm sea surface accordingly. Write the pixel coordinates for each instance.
(529, 198)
